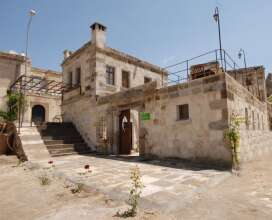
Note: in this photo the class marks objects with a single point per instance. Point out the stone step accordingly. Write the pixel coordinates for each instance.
(72, 153)
(69, 140)
(66, 146)
(30, 137)
(59, 133)
(60, 137)
(68, 150)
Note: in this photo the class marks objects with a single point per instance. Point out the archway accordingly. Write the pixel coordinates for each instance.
(38, 114)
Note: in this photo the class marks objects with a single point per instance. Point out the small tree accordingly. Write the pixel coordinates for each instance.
(233, 137)
(14, 101)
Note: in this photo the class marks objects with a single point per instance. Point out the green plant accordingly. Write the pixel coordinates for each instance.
(134, 194)
(14, 101)
(269, 99)
(44, 180)
(77, 188)
(233, 137)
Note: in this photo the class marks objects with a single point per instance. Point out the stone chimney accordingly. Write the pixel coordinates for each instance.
(67, 53)
(98, 35)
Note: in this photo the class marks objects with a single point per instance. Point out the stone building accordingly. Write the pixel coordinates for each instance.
(96, 70)
(269, 84)
(121, 104)
(39, 106)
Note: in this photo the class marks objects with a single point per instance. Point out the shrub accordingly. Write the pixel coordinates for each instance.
(134, 194)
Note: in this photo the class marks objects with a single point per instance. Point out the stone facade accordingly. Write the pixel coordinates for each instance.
(12, 66)
(91, 61)
(185, 121)
(269, 84)
(256, 135)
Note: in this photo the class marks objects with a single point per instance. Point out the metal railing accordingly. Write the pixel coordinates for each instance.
(180, 72)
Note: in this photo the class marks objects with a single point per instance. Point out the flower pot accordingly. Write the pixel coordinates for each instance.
(3, 144)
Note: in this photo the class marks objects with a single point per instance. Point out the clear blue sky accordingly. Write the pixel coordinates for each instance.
(159, 31)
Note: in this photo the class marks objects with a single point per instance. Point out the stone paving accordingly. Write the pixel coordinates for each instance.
(167, 184)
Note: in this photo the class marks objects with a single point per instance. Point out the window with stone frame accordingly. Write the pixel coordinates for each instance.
(258, 120)
(125, 79)
(101, 128)
(253, 121)
(110, 75)
(183, 112)
(147, 80)
(262, 122)
(246, 119)
(70, 79)
(78, 77)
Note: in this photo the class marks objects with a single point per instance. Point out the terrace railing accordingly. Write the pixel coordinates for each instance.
(180, 72)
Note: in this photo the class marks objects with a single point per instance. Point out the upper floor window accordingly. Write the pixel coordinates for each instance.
(78, 76)
(147, 79)
(183, 112)
(125, 79)
(110, 75)
(70, 79)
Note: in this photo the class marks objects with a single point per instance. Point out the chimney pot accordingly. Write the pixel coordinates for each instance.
(98, 33)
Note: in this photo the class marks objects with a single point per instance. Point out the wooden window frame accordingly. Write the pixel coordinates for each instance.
(128, 79)
(110, 75)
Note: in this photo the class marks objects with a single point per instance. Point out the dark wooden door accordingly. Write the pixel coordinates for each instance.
(125, 128)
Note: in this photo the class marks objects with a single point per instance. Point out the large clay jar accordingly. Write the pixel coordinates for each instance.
(3, 144)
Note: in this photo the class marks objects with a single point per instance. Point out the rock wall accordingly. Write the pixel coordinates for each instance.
(256, 137)
(201, 137)
(82, 112)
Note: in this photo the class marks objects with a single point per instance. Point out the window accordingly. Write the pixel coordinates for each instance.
(258, 118)
(246, 119)
(125, 79)
(183, 112)
(110, 72)
(147, 80)
(262, 122)
(78, 76)
(70, 79)
(253, 121)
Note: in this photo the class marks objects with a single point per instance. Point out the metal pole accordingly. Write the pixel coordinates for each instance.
(244, 59)
(31, 13)
(19, 108)
(187, 67)
(217, 19)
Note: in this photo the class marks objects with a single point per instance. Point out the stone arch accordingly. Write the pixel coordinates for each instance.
(38, 114)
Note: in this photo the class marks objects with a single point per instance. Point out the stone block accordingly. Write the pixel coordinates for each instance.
(218, 104)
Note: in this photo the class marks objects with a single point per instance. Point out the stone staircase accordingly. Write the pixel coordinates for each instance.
(63, 139)
(33, 144)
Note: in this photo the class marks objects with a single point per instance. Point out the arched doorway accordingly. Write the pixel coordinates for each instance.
(38, 114)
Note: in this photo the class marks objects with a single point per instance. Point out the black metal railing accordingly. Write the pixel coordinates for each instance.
(180, 72)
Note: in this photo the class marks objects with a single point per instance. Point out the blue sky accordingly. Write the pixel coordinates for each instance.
(160, 31)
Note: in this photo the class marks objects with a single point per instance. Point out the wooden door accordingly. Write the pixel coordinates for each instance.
(125, 132)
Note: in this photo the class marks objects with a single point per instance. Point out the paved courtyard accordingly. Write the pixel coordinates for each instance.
(168, 185)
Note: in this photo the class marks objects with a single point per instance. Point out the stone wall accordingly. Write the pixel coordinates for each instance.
(136, 74)
(10, 68)
(82, 112)
(199, 138)
(269, 84)
(256, 138)
(51, 104)
(252, 78)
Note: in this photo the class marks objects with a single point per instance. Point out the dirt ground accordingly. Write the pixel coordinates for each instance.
(22, 196)
(244, 197)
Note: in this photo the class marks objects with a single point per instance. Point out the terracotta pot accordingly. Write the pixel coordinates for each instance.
(3, 144)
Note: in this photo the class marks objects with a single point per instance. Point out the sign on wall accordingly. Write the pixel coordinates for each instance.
(145, 116)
